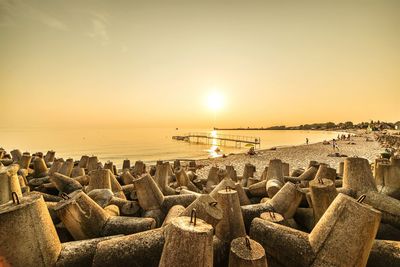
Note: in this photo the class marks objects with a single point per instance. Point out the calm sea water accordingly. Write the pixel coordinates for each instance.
(144, 144)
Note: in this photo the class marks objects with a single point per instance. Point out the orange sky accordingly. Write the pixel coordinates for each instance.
(153, 63)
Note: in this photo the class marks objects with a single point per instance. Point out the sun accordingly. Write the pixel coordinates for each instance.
(215, 101)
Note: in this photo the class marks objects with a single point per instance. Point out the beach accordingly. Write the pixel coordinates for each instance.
(298, 156)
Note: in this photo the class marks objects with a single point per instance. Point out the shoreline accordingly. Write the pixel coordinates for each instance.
(298, 156)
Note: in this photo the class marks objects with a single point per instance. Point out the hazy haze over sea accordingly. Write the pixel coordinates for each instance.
(147, 144)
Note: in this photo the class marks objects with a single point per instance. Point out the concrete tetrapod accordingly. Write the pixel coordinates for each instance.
(387, 177)
(9, 183)
(116, 225)
(207, 209)
(55, 167)
(127, 177)
(25, 161)
(243, 198)
(325, 172)
(274, 217)
(82, 216)
(246, 252)
(126, 164)
(184, 200)
(101, 196)
(112, 210)
(99, 179)
(274, 177)
(188, 243)
(285, 169)
(342, 237)
(126, 207)
(28, 236)
(231, 172)
(223, 184)
(66, 167)
(322, 192)
(212, 178)
(16, 155)
(92, 163)
(136, 250)
(384, 253)
(79, 253)
(83, 162)
(173, 212)
(77, 171)
(85, 219)
(231, 225)
(139, 168)
(309, 174)
(183, 180)
(284, 202)
(357, 177)
(161, 178)
(249, 170)
(149, 194)
(39, 167)
(65, 184)
(50, 156)
(259, 189)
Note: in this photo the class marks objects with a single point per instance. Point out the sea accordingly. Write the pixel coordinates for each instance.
(147, 144)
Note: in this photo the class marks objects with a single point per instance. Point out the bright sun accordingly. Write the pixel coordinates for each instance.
(215, 101)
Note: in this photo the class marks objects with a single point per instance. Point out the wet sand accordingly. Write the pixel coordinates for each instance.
(298, 156)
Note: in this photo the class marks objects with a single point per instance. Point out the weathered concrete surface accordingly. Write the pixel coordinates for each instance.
(27, 233)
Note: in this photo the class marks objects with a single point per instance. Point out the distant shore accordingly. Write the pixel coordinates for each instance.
(299, 156)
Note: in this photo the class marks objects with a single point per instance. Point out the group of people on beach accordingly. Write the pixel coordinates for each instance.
(343, 137)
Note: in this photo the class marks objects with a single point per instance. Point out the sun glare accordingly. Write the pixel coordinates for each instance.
(215, 101)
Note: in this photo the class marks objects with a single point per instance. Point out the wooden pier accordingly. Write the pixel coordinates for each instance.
(219, 139)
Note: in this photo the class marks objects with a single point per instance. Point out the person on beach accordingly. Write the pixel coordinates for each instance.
(335, 145)
(306, 141)
(251, 151)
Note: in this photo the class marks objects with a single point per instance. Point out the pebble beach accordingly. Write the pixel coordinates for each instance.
(299, 156)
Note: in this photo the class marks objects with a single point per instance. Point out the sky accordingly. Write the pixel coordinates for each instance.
(155, 63)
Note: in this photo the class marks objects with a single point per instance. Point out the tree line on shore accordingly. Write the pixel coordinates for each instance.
(372, 125)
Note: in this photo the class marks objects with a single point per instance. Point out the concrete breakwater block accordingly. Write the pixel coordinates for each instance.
(79, 253)
(322, 193)
(188, 242)
(82, 216)
(274, 177)
(246, 252)
(141, 249)
(85, 219)
(207, 209)
(387, 175)
(169, 201)
(231, 225)
(343, 237)
(27, 233)
(148, 193)
(285, 202)
(357, 177)
(9, 183)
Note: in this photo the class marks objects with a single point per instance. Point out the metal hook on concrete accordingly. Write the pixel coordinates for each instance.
(248, 245)
(272, 215)
(15, 198)
(213, 204)
(193, 215)
(361, 198)
(65, 196)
